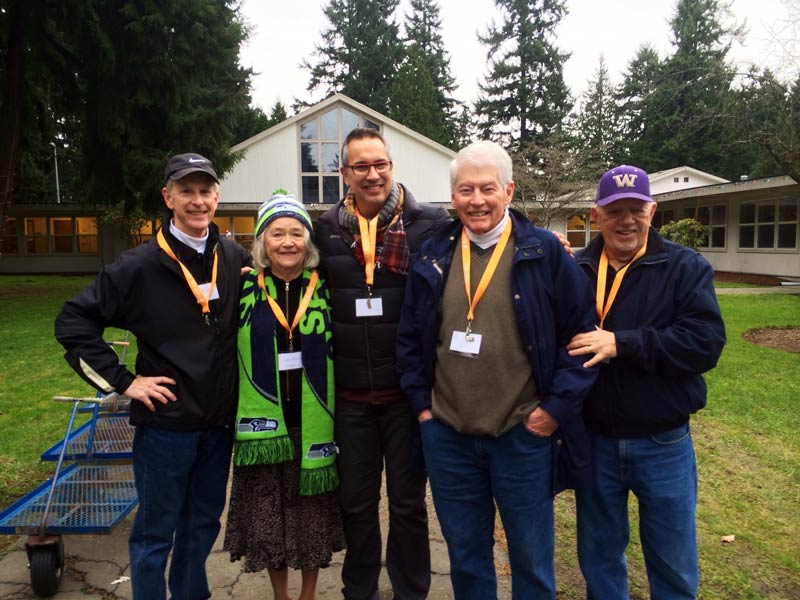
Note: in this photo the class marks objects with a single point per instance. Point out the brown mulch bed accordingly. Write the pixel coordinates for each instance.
(749, 278)
(782, 338)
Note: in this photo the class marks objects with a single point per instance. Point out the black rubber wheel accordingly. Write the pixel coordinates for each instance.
(47, 567)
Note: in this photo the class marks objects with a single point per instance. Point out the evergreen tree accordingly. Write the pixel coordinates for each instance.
(596, 130)
(423, 35)
(360, 52)
(642, 77)
(685, 124)
(524, 98)
(414, 100)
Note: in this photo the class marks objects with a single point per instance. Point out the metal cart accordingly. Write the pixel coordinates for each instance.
(91, 491)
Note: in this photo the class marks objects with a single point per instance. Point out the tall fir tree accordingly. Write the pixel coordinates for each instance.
(596, 129)
(524, 98)
(685, 124)
(359, 53)
(423, 27)
(641, 78)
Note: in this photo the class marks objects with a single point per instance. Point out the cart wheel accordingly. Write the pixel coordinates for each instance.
(47, 567)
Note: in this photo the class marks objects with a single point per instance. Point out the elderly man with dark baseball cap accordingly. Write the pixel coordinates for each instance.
(659, 329)
(179, 295)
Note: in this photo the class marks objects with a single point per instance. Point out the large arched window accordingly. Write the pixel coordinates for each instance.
(320, 140)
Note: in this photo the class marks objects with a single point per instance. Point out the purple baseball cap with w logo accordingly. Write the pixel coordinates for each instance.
(621, 182)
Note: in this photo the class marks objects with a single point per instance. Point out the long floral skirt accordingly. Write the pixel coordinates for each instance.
(271, 525)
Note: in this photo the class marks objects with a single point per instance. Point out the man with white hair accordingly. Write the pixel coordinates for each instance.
(490, 305)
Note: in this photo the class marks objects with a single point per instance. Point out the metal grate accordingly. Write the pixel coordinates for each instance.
(87, 499)
(113, 439)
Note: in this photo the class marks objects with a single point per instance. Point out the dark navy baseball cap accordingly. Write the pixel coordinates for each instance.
(181, 165)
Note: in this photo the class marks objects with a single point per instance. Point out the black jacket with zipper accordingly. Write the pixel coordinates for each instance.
(364, 347)
(144, 291)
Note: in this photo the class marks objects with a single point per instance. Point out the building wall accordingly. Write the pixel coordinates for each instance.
(269, 164)
(424, 170)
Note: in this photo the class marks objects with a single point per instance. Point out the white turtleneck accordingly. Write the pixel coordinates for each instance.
(198, 244)
(488, 239)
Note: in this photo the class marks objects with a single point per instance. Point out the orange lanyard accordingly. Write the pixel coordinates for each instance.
(301, 310)
(603, 306)
(369, 239)
(483, 284)
(202, 299)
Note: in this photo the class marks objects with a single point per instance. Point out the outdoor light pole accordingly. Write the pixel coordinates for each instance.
(55, 160)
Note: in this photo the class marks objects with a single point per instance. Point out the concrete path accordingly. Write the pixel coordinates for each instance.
(751, 291)
(97, 567)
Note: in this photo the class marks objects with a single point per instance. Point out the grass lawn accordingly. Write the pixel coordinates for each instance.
(747, 441)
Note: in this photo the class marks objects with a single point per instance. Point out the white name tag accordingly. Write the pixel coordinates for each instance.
(204, 288)
(289, 361)
(469, 346)
(369, 307)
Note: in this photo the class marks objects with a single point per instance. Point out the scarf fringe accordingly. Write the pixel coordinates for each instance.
(318, 481)
(263, 452)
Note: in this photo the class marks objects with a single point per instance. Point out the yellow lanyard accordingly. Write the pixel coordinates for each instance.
(369, 238)
(603, 306)
(483, 284)
(202, 299)
(301, 310)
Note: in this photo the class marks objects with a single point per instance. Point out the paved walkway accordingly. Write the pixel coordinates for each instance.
(751, 291)
(97, 567)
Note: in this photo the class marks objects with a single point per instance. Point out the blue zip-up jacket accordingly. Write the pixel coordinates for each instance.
(668, 329)
(552, 302)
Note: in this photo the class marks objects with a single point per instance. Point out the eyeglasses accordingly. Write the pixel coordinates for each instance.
(381, 166)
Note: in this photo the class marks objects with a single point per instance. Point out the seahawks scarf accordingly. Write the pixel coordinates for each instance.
(261, 434)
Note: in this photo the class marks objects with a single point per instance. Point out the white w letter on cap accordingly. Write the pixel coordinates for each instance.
(628, 180)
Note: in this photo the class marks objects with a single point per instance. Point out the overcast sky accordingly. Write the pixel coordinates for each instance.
(285, 32)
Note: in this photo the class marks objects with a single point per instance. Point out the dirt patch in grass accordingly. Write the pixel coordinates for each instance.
(782, 338)
(746, 278)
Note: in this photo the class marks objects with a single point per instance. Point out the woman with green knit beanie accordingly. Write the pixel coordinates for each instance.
(283, 509)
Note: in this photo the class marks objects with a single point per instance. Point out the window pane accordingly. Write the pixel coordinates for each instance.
(87, 244)
(330, 190)
(86, 225)
(787, 235)
(577, 239)
(308, 157)
(747, 213)
(766, 213)
(308, 131)
(669, 215)
(223, 224)
(718, 215)
(766, 236)
(746, 236)
(787, 209)
(310, 189)
(349, 122)
(577, 222)
(61, 226)
(330, 158)
(243, 225)
(36, 235)
(10, 238)
(703, 215)
(718, 237)
(688, 213)
(370, 125)
(329, 126)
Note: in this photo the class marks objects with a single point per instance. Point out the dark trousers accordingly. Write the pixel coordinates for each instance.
(369, 436)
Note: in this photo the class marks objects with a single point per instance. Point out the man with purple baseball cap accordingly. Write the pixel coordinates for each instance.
(659, 329)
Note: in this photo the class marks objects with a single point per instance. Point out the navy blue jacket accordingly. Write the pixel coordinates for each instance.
(668, 329)
(552, 302)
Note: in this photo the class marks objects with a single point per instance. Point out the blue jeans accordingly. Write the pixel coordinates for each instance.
(468, 475)
(661, 471)
(181, 480)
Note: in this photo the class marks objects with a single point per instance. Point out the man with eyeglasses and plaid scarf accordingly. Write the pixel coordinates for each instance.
(367, 241)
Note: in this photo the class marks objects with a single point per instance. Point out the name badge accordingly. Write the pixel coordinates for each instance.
(469, 346)
(204, 288)
(369, 307)
(289, 361)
